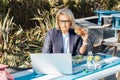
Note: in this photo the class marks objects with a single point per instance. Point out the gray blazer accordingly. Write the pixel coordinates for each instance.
(53, 42)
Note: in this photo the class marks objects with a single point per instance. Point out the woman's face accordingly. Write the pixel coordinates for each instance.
(64, 23)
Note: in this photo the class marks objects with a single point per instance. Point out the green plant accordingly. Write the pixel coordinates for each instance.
(5, 25)
(17, 44)
(45, 20)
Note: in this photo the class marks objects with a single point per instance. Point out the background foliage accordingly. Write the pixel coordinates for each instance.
(23, 10)
(23, 24)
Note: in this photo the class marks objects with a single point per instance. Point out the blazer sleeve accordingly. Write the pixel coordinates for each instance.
(47, 46)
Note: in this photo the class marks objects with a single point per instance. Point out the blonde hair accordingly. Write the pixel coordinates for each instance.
(67, 12)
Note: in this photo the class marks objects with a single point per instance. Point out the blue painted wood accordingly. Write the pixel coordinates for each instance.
(101, 13)
(116, 23)
(72, 76)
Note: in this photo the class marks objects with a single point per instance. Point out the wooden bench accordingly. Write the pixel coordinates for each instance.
(112, 42)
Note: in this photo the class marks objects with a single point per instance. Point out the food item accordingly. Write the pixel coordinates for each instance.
(90, 58)
(78, 59)
(97, 58)
(79, 31)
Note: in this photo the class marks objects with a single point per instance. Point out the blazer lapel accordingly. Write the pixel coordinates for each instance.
(72, 41)
(59, 41)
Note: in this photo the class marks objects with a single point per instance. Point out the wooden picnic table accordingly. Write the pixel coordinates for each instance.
(102, 13)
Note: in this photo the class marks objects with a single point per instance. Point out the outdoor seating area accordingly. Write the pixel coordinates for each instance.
(82, 75)
(98, 33)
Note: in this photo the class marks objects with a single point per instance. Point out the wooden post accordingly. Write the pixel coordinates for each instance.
(118, 75)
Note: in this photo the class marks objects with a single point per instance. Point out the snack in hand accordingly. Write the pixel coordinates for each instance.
(79, 31)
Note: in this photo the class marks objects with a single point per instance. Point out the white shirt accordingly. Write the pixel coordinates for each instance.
(66, 43)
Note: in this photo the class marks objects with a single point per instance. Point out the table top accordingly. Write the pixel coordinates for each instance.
(115, 15)
(106, 11)
(96, 74)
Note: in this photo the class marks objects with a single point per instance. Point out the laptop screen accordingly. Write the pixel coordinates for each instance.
(52, 63)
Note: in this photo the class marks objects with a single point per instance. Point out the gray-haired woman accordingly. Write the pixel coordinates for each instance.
(63, 38)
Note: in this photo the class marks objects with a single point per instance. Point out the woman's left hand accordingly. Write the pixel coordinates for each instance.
(85, 35)
(82, 32)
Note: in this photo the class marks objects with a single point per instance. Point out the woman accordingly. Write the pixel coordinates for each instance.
(63, 38)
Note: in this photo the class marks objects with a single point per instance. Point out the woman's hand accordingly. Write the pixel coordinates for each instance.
(82, 32)
(85, 35)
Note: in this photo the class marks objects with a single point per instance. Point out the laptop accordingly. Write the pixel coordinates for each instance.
(58, 63)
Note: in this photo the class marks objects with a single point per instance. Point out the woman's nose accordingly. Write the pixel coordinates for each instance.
(64, 23)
